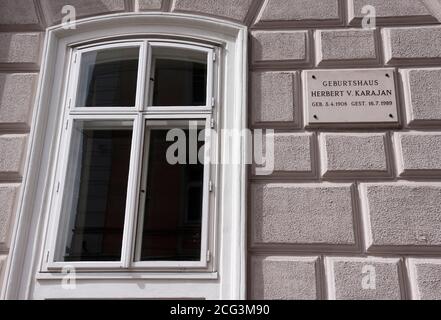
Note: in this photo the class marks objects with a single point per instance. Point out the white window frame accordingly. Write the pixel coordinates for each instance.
(211, 52)
(60, 193)
(138, 114)
(23, 279)
(74, 87)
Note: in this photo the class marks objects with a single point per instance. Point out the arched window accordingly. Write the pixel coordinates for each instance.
(131, 185)
(131, 190)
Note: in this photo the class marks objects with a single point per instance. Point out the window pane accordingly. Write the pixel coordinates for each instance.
(108, 78)
(171, 229)
(179, 77)
(96, 191)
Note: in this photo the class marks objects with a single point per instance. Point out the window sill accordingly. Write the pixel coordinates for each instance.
(130, 276)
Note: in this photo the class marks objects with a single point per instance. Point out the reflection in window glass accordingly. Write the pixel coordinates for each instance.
(179, 77)
(108, 78)
(171, 229)
(98, 177)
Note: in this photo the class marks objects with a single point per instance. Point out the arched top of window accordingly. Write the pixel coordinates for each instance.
(126, 73)
(148, 23)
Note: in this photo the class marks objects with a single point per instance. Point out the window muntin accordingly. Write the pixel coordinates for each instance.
(59, 249)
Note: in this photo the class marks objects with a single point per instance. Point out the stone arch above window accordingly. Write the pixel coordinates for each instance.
(241, 11)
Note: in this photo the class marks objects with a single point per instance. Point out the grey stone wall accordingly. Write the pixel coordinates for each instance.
(21, 26)
(341, 200)
(367, 205)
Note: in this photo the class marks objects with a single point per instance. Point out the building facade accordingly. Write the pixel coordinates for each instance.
(349, 210)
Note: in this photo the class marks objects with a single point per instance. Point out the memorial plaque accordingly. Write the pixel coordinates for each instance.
(362, 96)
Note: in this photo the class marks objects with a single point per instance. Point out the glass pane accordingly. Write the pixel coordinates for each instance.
(179, 77)
(171, 229)
(108, 78)
(95, 197)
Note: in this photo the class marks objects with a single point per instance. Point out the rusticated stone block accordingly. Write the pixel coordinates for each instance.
(419, 153)
(12, 151)
(422, 95)
(83, 8)
(391, 10)
(7, 202)
(425, 278)
(144, 5)
(293, 153)
(230, 9)
(273, 97)
(316, 214)
(299, 12)
(16, 98)
(19, 14)
(280, 46)
(412, 44)
(20, 47)
(284, 278)
(363, 279)
(337, 46)
(360, 154)
(402, 217)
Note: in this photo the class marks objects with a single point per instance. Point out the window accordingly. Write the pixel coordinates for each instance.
(134, 180)
(95, 164)
(93, 209)
(108, 78)
(170, 230)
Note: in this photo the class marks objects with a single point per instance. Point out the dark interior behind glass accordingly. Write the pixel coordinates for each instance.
(110, 78)
(173, 208)
(179, 83)
(101, 201)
